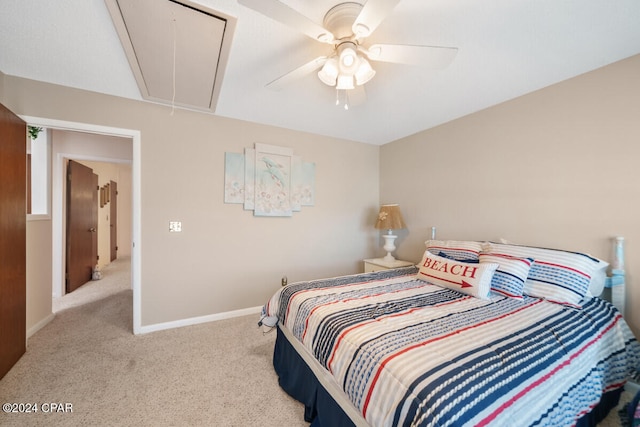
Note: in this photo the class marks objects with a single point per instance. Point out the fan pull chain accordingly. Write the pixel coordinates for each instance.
(346, 99)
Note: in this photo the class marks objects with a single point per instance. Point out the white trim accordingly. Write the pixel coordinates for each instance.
(202, 319)
(38, 217)
(57, 270)
(41, 324)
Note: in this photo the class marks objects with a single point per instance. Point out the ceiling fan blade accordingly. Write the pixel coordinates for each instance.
(308, 68)
(435, 57)
(282, 13)
(372, 14)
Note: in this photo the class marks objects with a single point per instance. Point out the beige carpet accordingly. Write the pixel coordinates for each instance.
(215, 374)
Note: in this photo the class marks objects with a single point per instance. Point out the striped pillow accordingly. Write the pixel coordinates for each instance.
(469, 278)
(555, 275)
(460, 250)
(511, 275)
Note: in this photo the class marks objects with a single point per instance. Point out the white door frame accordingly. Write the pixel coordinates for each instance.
(57, 205)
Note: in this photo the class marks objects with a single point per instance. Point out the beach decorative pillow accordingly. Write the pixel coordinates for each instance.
(470, 278)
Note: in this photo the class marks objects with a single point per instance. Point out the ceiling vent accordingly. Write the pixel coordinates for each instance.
(177, 50)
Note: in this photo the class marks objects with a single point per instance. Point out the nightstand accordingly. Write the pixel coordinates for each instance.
(377, 264)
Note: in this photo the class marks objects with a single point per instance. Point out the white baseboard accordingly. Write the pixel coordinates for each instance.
(41, 324)
(198, 320)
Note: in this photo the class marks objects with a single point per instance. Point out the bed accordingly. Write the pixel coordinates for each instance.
(476, 334)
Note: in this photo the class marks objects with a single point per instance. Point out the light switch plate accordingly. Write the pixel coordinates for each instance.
(175, 226)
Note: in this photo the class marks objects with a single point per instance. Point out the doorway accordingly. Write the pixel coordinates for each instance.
(93, 226)
(57, 201)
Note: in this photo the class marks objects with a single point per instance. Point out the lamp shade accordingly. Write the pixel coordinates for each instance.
(390, 218)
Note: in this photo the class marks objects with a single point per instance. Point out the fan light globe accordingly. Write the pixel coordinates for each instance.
(329, 72)
(364, 73)
(348, 60)
(345, 82)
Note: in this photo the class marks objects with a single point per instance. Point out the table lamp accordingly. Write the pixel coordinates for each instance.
(389, 218)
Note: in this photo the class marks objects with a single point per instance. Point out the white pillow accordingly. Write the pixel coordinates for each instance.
(470, 278)
(511, 275)
(596, 286)
(556, 275)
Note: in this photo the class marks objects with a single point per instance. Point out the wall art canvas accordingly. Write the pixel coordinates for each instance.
(269, 180)
(307, 184)
(249, 178)
(273, 180)
(234, 179)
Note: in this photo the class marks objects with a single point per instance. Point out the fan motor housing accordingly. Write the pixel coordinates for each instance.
(340, 18)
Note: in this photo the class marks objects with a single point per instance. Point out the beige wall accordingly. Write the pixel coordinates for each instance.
(39, 254)
(555, 168)
(225, 259)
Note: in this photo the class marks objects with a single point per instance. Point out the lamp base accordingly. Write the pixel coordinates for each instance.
(389, 245)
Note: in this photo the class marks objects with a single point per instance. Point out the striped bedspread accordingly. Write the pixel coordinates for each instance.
(407, 352)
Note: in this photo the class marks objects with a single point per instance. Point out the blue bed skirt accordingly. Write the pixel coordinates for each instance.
(321, 410)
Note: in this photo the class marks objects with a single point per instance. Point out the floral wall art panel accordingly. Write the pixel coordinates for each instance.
(308, 184)
(272, 180)
(296, 183)
(303, 183)
(249, 178)
(234, 181)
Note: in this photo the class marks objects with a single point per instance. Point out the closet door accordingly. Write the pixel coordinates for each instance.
(13, 229)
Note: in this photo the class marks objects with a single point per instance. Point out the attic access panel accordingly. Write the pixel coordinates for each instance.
(177, 50)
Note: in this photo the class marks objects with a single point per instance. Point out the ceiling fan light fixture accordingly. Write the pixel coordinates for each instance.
(345, 82)
(364, 73)
(329, 72)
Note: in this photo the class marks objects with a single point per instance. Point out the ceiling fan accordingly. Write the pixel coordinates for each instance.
(345, 27)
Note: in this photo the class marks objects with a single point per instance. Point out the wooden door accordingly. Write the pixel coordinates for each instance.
(113, 219)
(82, 225)
(13, 242)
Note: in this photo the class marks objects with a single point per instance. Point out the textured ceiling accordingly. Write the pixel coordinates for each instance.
(506, 48)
